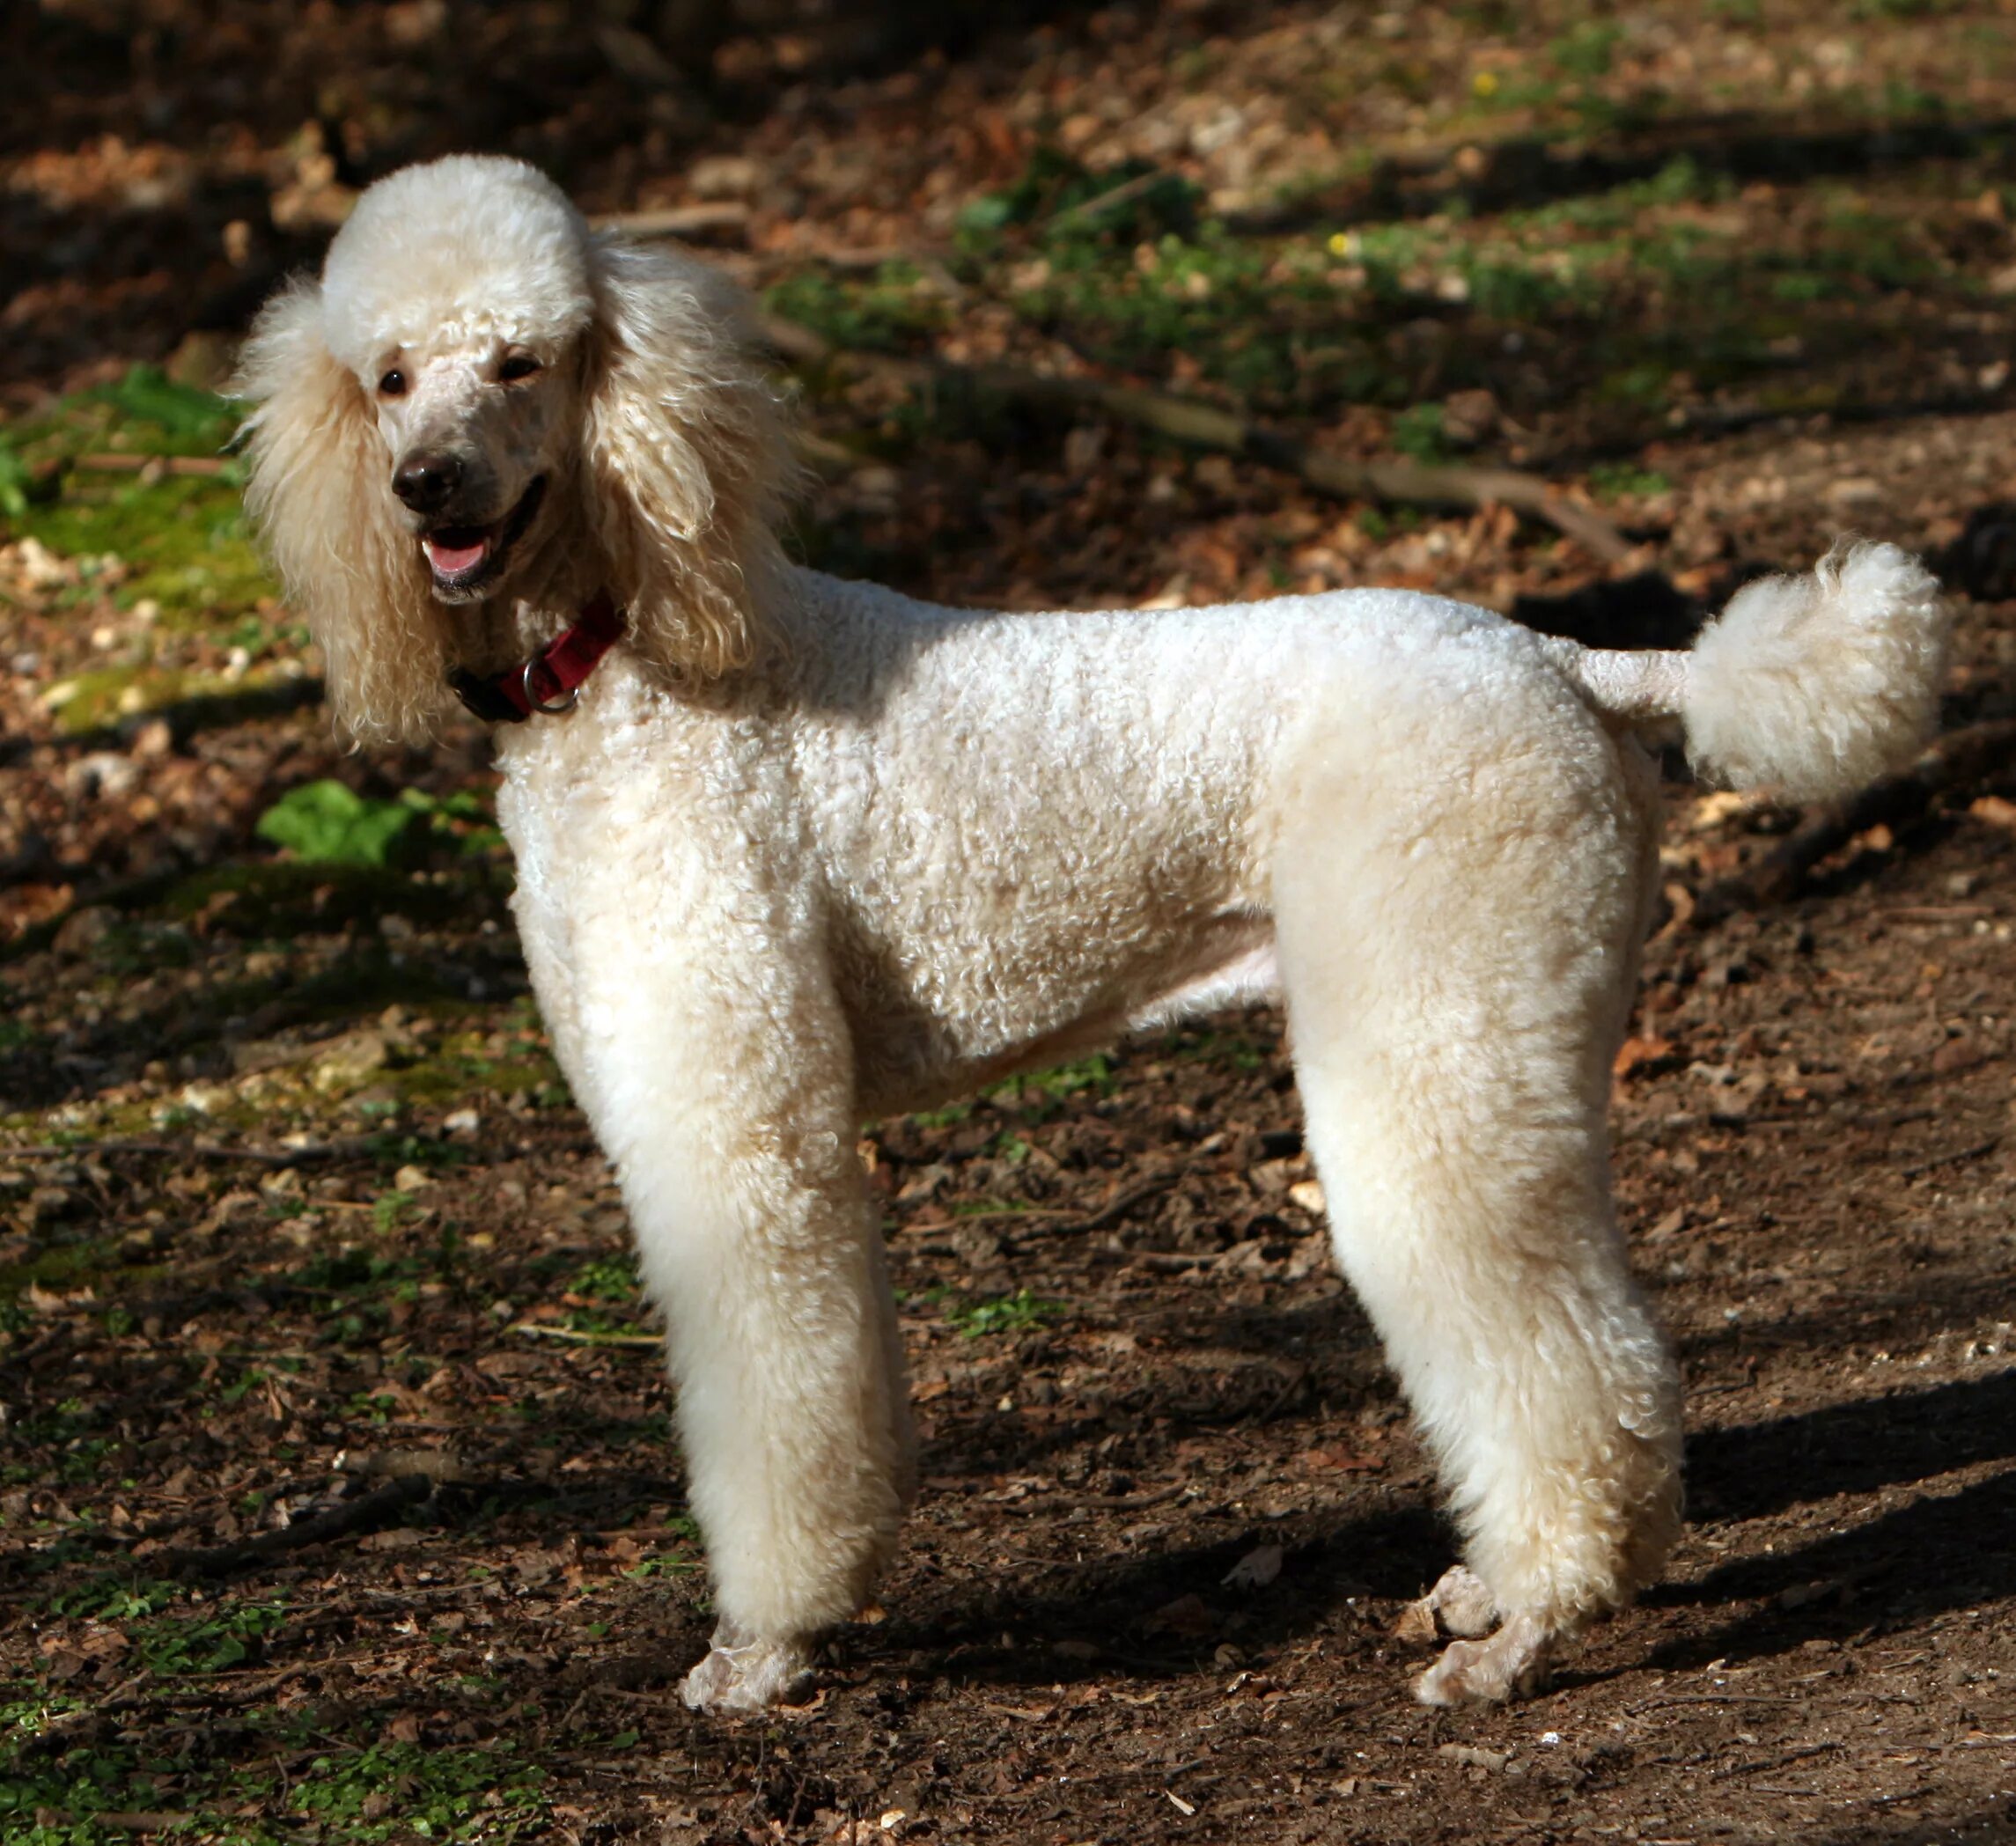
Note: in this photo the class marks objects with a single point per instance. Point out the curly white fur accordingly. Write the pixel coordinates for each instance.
(1819, 684)
(807, 851)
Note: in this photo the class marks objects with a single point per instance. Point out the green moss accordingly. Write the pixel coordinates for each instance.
(185, 542)
(97, 1264)
(183, 539)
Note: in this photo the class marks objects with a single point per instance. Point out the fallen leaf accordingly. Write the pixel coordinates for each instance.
(1257, 1569)
(1636, 1053)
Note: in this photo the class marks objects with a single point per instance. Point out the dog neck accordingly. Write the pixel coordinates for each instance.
(547, 682)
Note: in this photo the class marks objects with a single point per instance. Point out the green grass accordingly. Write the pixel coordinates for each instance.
(890, 311)
(1618, 290)
(351, 1786)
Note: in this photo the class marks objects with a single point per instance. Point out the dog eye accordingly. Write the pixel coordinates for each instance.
(517, 365)
(393, 384)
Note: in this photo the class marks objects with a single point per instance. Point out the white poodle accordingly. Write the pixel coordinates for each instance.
(793, 853)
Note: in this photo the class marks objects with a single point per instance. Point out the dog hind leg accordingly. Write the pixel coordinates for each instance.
(1458, 972)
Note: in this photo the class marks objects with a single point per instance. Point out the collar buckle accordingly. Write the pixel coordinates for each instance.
(550, 682)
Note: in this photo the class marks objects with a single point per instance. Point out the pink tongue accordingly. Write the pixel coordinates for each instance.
(451, 559)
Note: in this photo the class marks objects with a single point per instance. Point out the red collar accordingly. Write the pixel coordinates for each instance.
(552, 679)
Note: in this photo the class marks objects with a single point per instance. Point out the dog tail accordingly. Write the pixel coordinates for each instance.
(1816, 684)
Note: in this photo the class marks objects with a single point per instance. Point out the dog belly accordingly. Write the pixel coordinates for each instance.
(1243, 979)
(912, 1058)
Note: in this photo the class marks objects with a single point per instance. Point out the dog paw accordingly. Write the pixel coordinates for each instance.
(750, 1675)
(1461, 1604)
(1509, 1665)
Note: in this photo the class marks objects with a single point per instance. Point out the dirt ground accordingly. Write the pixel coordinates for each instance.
(338, 1500)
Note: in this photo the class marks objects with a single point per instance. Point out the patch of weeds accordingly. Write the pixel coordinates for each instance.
(1587, 50)
(350, 1270)
(376, 1408)
(1261, 322)
(243, 1386)
(891, 310)
(1020, 1313)
(436, 1794)
(99, 697)
(1646, 385)
(1901, 9)
(1418, 431)
(988, 1208)
(1041, 1097)
(85, 1263)
(609, 1279)
(949, 1117)
(1093, 1073)
(211, 1642)
(1059, 197)
(1210, 1047)
(397, 1150)
(609, 1282)
(1626, 480)
(183, 538)
(115, 1596)
(328, 823)
(686, 1556)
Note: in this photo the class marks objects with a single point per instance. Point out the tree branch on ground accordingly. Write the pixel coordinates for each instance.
(381, 1507)
(1205, 426)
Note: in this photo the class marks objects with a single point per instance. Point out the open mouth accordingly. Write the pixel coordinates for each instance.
(463, 556)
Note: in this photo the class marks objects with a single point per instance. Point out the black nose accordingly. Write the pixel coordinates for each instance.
(425, 482)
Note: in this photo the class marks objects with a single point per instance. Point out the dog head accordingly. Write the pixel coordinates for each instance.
(482, 404)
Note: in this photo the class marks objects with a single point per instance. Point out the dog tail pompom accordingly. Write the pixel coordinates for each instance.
(1819, 684)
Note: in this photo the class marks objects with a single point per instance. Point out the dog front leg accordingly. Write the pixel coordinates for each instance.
(732, 1131)
(765, 1258)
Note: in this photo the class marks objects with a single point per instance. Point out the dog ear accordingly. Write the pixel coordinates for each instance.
(688, 461)
(320, 493)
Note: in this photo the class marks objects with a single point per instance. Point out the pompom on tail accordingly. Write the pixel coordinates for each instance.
(1819, 684)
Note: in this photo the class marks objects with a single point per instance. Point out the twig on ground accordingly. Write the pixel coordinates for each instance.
(191, 1150)
(1959, 1157)
(210, 466)
(576, 1336)
(1117, 1208)
(720, 218)
(1953, 760)
(368, 1513)
(1205, 426)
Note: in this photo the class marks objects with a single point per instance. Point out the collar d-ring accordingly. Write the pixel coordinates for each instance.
(564, 703)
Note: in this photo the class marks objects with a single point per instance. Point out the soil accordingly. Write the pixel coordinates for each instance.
(337, 1495)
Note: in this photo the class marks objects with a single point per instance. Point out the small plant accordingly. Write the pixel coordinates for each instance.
(1418, 431)
(1626, 480)
(208, 1643)
(443, 1794)
(325, 823)
(612, 1279)
(1020, 1313)
(1586, 51)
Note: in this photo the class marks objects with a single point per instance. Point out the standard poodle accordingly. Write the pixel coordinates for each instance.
(793, 853)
